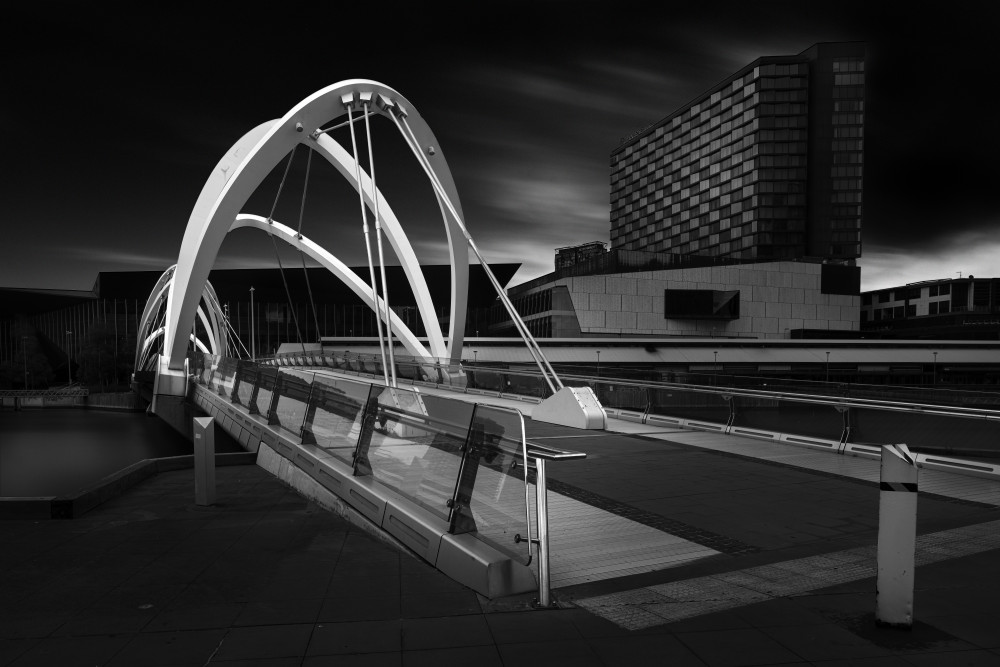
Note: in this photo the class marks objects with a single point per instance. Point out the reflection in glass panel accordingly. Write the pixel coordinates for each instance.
(265, 387)
(333, 421)
(293, 395)
(415, 445)
(244, 390)
(688, 405)
(807, 419)
(497, 497)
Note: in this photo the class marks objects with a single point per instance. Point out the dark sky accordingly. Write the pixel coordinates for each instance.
(112, 121)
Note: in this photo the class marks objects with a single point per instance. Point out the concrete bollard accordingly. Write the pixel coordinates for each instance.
(897, 536)
(204, 460)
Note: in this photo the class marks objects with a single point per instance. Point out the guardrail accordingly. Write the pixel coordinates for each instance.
(467, 465)
(842, 422)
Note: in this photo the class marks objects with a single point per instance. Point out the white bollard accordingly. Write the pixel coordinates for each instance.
(897, 536)
(204, 461)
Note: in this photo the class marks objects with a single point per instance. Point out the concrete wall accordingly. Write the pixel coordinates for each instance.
(775, 297)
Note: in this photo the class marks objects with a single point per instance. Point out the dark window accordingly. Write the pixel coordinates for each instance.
(932, 307)
(838, 279)
(883, 297)
(701, 304)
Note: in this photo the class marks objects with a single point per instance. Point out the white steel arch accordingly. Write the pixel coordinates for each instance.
(249, 161)
(151, 327)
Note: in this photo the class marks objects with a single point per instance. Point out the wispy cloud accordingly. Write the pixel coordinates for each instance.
(972, 253)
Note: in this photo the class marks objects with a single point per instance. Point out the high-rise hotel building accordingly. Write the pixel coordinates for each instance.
(767, 165)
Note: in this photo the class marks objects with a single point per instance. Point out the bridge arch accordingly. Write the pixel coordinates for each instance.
(251, 159)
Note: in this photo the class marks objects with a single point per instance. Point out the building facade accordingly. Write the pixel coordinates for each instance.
(956, 308)
(766, 165)
(766, 300)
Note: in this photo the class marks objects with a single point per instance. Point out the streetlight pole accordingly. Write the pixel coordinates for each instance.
(69, 371)
(24, 344)
(253, 325)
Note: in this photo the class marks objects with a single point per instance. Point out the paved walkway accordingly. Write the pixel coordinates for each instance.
(267, 578)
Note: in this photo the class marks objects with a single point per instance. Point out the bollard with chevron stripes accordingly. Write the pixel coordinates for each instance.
(897, 533)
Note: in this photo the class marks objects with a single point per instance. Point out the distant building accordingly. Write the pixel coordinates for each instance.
(636, 294)
(572, 255)
(948, 309)
(766, 165)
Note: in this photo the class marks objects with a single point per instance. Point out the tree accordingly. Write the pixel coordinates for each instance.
(30, 368)
(97, 357)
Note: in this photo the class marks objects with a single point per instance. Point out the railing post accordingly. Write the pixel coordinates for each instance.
(234, 395)
(460, 518)
(252, 408)
(542, 513)
(362, 464)
(897, 535)
(272, 410)
(308, 415)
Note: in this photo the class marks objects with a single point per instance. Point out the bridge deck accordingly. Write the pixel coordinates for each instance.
(649, 499)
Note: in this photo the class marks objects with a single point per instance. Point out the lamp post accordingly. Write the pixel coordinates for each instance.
(69, 371)
(827, 366)
(24, 344)
(253, 326)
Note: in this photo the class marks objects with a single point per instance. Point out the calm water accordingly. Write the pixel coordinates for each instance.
(52, 451)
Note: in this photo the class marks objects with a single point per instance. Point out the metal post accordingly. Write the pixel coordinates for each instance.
(542, 512)
(24, 343)
(69, 372)
(253, 326)
(935, 370)
(715, 368)
(204, 461)
(897, 535)
(827, 366)
(598, 364)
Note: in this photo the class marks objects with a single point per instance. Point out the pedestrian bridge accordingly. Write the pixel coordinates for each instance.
(422, 448)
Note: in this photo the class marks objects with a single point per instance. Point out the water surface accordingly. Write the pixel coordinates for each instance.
(57, 451)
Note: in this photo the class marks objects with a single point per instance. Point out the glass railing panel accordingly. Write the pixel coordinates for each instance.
(265, 388)
(248, 376)
(497, 500)
(623, 397)
(415, 445)
(334, 418)
(526, 385)
(688, 404)
(782, 416)
(293, 400)
(227, 374)
(941, 434)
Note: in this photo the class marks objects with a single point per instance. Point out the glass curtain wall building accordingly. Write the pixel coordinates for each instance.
(766, 165)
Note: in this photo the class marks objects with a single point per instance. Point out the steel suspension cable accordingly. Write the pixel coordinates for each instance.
(530, 342)
(302, 208)
(281, 269)
(381, 259)
(368, 247)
